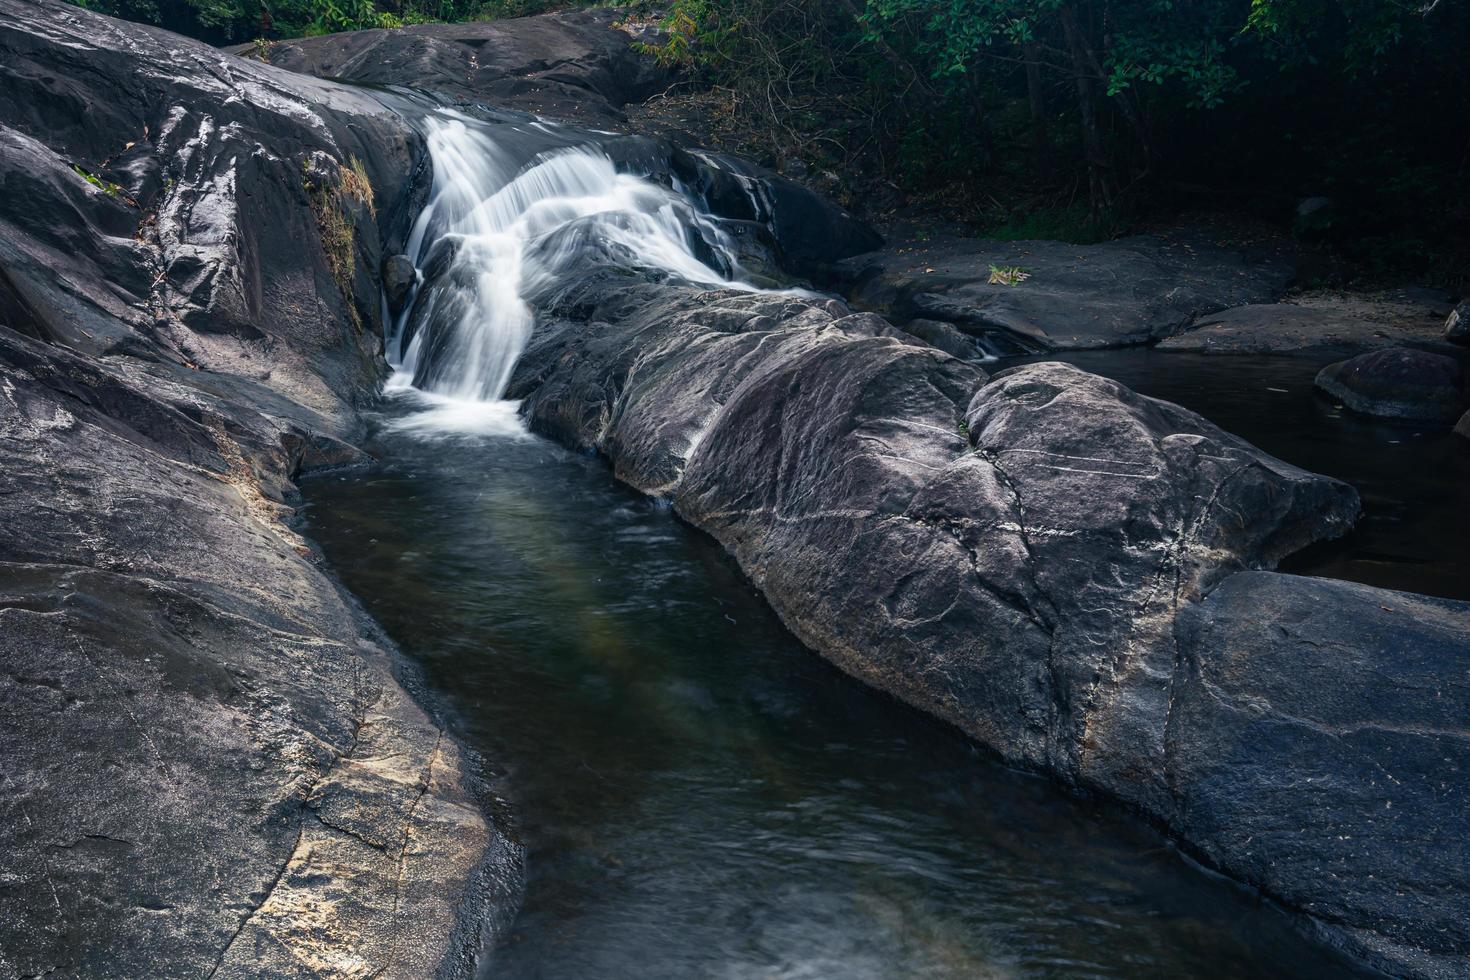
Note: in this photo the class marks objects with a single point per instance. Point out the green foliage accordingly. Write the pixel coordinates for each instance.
(1007, 275)
(105, 186)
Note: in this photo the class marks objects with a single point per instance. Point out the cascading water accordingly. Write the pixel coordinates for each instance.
(502, 225)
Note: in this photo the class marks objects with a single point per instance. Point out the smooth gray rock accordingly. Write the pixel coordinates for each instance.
(1318, 749)
(1020, 556)
(575, 64)
(1398, 383)
(1457, 324)
(946, 337)
(1128, 291)
(1322, 323)
(811, 231)
(211, 763)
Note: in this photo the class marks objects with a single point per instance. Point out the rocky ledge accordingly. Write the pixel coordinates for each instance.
(1039, 296)
(212, 764)
(1323, 323)
(573, 65)
(1068, 571)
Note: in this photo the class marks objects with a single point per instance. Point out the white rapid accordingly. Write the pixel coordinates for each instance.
(495, 218)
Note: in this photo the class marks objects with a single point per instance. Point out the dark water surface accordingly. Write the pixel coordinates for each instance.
(700, 796)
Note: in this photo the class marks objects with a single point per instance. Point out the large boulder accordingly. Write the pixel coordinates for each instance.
(1021, 555)
(580, 65)
(211, 763)
(1057, 565)
(1398, 383)
(1129, 291)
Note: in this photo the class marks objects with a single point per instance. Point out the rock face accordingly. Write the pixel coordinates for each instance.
(574, 65)
(211, 765)
(1398, 383)
(810, 231)
(1129, 291)
(1044, 558)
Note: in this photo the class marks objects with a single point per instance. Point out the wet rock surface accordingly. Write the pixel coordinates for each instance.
(212, 763)
(1072, 297)
(1398, 383)
(1019, 555)
(1312, 788)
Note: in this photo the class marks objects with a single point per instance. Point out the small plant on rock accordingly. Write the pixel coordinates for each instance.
(1007, 275)
(334, 202)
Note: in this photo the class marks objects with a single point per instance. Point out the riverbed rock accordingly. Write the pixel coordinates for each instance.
(1398, 383)
(212, 761)
(1380, 752)
(1323, 323)
(1072, 297)
(1035, 557)
(946, 337)
(578, 64)
(810, 230)
(399, 275)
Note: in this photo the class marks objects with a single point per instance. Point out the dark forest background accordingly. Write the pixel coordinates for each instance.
(1346, 122)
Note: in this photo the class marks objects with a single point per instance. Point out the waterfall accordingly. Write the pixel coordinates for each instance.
(501, 226)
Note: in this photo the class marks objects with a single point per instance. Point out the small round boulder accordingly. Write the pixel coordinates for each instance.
(398, 279)
(1457, 327)
(1398, 383)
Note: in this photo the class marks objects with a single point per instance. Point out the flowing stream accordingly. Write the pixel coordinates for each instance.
(700, 795)
(514, 210)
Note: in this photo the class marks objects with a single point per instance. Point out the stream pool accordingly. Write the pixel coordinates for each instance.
(700, 796)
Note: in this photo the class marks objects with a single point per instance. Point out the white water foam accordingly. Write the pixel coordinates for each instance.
(433, 415)
(501, 219)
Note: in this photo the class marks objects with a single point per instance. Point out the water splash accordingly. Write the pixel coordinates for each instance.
(499, 228)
